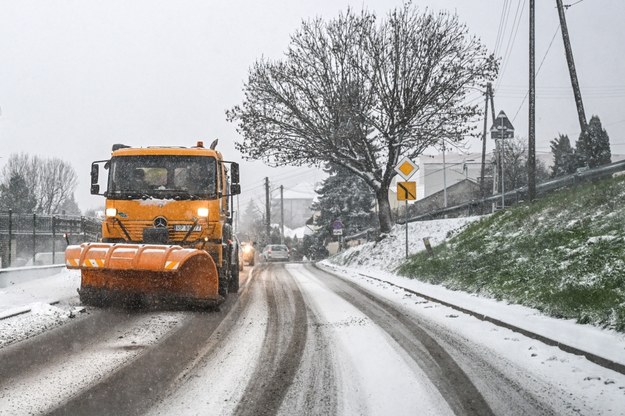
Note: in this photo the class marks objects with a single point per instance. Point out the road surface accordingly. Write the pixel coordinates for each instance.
(295, 341)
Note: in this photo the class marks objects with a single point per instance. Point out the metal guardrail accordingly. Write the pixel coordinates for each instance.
(11, 275)
(478, 206)
(520, 194)
(366, 233)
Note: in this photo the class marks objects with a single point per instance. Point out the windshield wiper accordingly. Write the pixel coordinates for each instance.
(134, 195)
(182, 194)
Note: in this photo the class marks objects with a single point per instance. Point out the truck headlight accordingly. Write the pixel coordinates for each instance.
(202, 212)
(111, 212)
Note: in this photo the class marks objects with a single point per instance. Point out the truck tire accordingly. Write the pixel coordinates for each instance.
(223, 282)
(233, 284)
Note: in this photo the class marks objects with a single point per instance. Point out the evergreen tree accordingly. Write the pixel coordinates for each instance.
(564, 158)
(593, 145)
(344, 196)
(313, 247)
(251, 223)
(17, 195)
(274, 238)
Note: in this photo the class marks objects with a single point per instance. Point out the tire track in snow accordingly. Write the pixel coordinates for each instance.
(134, 388)
(215, 381)
(283, 347)
(509, 389)
(34, 353)
(108, 362)
(454, 385)
(60, 373)
(374, 375)
(314, 391)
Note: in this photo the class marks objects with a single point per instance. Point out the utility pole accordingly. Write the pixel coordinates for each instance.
(483, 170)
(492, 104)
(496, 165)
(531, 145)
(503, 190)
(281, 214)
(267, 210)
(444, 179)
(573, 74)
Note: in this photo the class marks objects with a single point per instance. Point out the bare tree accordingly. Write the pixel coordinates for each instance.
(515, 164)
(24, 165)
(57, 181)
(51, 181)
(360, 94)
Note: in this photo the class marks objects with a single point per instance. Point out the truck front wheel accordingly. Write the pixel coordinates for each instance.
(233, 285)
(223, 282)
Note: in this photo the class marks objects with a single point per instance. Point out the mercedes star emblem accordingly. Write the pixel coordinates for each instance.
(160, 222)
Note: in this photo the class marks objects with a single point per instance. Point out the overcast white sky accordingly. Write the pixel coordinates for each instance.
(79, 75)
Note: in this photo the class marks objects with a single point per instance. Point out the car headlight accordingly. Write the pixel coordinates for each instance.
(111, 212)
(202, 212)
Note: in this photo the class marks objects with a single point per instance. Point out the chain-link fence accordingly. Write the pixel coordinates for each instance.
(33, 239)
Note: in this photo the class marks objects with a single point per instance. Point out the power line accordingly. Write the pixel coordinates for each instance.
(566, 6)
(506, 4)
(277, 177)
(556, 94)
(505, 25)
(562, 87)
(511, 39)
(538, 70)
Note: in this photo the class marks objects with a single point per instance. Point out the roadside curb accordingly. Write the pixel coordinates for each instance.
(602, 361)
(21, 311)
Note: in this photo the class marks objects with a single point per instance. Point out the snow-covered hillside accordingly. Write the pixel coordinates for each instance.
(391, 251)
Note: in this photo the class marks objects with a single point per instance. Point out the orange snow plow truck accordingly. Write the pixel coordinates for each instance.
(167, 236)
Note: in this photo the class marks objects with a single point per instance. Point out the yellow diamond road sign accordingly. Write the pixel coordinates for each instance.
(406, 168)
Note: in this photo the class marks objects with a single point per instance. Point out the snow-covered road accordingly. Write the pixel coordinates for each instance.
(296, 340)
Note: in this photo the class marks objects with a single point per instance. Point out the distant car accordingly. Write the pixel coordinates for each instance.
(246, 255)
(276, 252)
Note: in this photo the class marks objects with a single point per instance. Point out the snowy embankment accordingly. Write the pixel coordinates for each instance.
(379, 260)
(36, 296)
(389, 253)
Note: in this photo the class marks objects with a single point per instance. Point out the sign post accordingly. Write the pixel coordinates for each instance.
(337, 230)
(406, 191)
(502, 129)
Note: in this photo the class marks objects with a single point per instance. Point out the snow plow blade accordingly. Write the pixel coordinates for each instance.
(143, 273)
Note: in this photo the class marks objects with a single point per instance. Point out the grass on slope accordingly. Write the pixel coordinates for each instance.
(563, 254)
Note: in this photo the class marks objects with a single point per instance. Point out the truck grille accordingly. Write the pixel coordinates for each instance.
(135, 229)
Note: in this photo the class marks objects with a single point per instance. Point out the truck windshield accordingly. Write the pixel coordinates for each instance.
(162, 177)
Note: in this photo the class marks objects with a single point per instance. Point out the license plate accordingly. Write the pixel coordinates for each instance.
(186, 227)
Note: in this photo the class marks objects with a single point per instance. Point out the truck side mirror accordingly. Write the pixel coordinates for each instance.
(235, 189)
(235, 174)
(95, 176)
